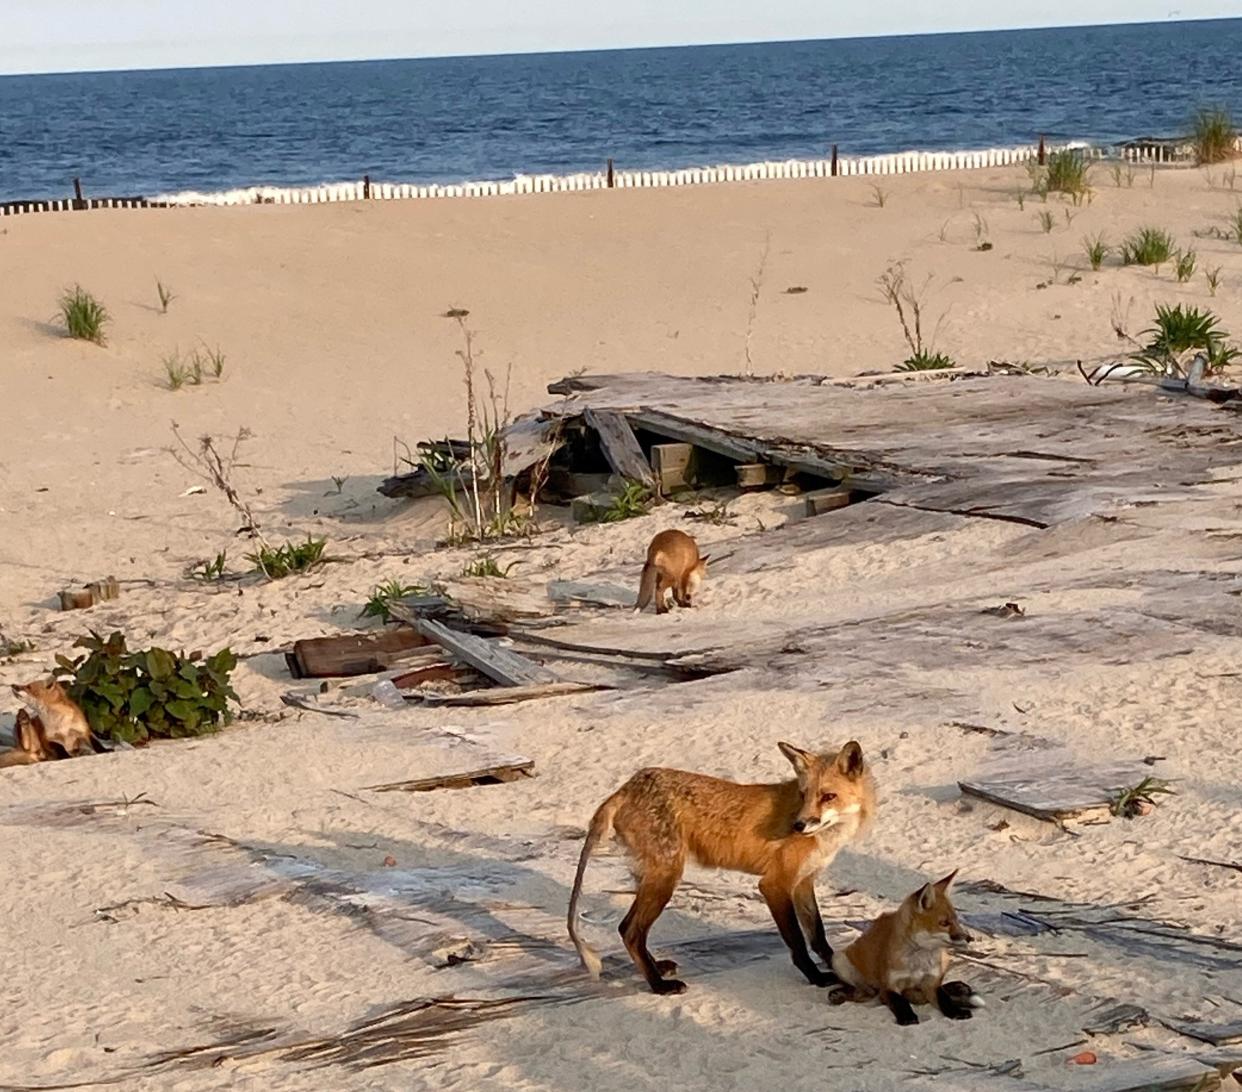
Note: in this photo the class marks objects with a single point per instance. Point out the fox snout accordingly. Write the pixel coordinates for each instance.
(959, 936)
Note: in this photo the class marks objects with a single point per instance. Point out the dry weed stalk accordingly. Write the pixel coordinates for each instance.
(756, 285)
(216, 468)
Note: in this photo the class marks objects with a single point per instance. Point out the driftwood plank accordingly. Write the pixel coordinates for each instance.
(506, 695)
(620, 448)
(502, 665)
(675, 466)
(486, 775)
(826, 500)
(351, 653)
(1155, 1073)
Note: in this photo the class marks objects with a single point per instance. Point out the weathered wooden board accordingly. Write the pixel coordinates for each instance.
(1056, 785)
(1036, 450)
(351, 653)
(503, 665)
(1215, 1034)
(596, 595)
(619, 445)
(1153, 1073)
(758, 475)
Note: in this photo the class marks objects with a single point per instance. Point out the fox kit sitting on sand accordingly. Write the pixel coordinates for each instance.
(903, 956)
(673, 564)
(783, 833)
(61, 722)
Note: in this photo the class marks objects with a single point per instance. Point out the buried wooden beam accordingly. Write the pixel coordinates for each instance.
(758, 475)
(620, 448)
(499, 664)
(675, 466)
(826, 500)
(352, 653)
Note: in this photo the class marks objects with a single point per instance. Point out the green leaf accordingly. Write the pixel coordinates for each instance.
(160, 664)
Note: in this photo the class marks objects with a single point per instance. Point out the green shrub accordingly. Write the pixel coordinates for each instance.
(83, 315)
(1182, 329)
(153, 694)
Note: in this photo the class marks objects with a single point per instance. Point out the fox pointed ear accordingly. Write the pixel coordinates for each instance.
(925, 897)
(943, 885)
(800, 758)
(850, 760)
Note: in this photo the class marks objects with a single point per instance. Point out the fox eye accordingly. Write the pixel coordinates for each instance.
(946, 923)
(828, 798)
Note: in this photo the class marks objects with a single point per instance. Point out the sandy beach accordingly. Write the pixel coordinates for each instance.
(330, 320)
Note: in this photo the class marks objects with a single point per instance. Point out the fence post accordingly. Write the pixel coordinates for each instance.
(611, 174)
(78, 203)
(366, 187)
(1043, 152)
(834, 161)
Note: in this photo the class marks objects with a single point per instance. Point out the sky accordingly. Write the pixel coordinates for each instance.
(81, 35)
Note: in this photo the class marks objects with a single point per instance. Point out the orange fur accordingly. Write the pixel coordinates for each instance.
(903, 956)
(784, 833)
(673, 564)
(63, 722)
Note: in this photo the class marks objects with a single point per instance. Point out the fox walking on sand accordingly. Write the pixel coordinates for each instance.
(673, 564)
(783, 833)
(904, 955)
(54, 727)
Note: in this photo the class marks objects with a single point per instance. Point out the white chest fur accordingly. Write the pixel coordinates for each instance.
(918, 966)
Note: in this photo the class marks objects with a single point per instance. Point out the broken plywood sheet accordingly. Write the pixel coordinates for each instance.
(620, 448)
(1054, 784)
(1038, 450)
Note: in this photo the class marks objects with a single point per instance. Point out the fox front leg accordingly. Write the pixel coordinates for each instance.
(812, 923)
(899, 1007)
(956, 1000)
(781, 904)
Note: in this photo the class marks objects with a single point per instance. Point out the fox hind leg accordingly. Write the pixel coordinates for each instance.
(655, 888)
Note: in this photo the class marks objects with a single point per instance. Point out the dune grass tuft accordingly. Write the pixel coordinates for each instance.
(1214, 136)
(83, 315)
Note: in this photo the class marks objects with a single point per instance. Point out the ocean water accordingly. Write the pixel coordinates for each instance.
(132, 133)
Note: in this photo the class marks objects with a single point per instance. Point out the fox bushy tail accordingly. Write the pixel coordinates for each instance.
(601, 826)
(647, 586)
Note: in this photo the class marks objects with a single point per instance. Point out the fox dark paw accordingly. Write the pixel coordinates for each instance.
(823, 979)
(905, 1019)
(839, 994)
(666, 966)
(668, 985)
(955, 1013)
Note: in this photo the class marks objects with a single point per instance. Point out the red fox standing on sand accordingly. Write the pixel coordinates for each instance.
(783, 833)
(55, 724)
(904, 955)
(673, 564)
